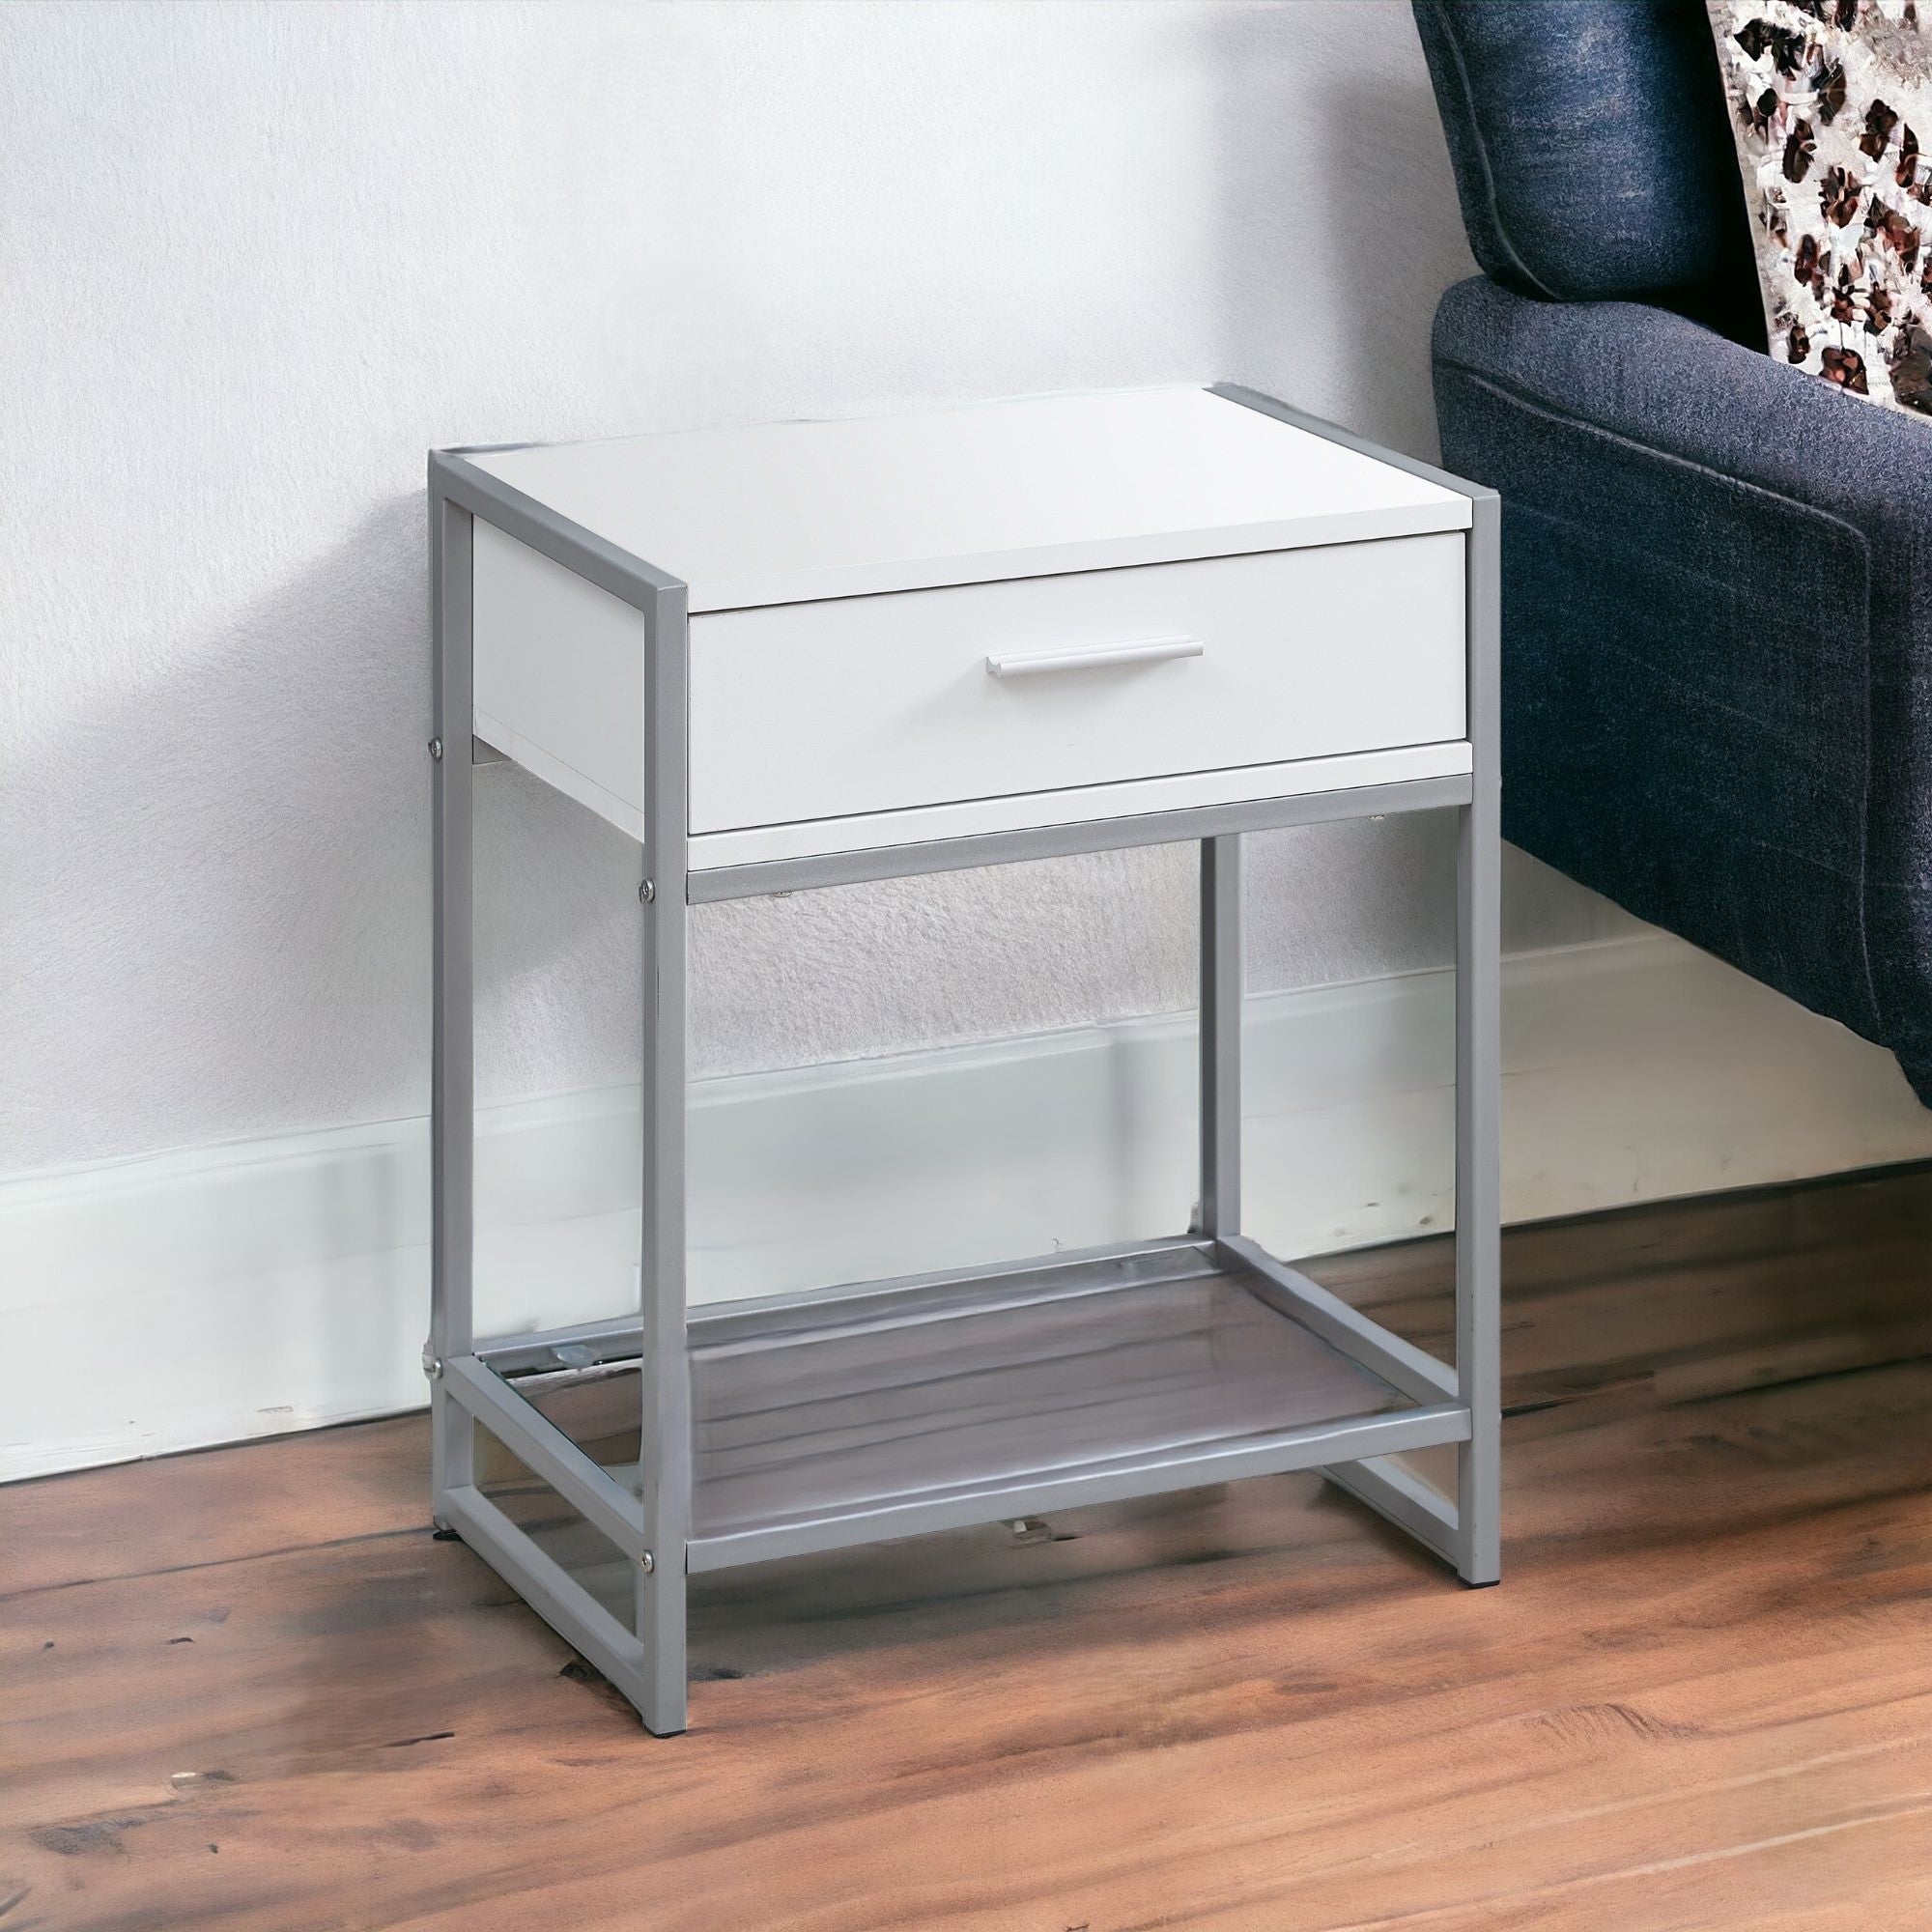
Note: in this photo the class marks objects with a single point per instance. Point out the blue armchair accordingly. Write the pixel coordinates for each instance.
(1718, 570)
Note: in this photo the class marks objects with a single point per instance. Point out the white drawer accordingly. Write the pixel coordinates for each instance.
(864, 705)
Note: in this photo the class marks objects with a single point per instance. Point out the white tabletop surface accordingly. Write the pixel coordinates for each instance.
(794, 512)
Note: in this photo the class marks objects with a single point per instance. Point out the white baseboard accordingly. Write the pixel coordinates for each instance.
(180, 1299)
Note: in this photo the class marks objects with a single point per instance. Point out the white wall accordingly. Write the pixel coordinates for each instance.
(256, 258)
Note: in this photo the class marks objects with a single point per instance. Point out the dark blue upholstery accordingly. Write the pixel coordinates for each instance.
(1591, 152)
(1716, 630)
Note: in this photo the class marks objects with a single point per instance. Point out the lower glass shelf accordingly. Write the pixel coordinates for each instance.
(849, 1417)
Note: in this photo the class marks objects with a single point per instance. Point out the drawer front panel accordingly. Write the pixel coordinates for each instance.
(1037, 684)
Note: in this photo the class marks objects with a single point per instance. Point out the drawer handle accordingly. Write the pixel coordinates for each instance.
(1032, 664)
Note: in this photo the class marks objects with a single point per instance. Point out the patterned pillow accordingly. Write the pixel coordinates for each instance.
(1830, 100)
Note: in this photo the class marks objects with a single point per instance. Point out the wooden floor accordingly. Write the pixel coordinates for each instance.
(246, 1689)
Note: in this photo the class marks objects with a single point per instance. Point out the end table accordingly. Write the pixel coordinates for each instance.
(814, 653)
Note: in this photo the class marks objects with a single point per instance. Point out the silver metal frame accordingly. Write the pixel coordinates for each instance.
(651, 1528)
(452, 1056)
(1203, 822)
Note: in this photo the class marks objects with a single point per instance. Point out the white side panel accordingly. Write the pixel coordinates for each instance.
(877, 703)
(571, 782)
(785, 513)
(560, 674)
(917, 826)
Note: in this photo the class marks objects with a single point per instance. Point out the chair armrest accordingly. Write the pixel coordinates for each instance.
(1717, 596)
(1685, 392)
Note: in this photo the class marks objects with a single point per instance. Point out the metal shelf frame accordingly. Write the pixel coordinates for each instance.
(651, 1524)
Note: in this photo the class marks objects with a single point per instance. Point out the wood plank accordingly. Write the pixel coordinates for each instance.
(1700, 1701)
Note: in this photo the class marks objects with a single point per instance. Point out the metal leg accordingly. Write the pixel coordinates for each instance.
(452, 1056)
(1221, 1036)
(665, 1445)
(1478, 1079)
(1469, 1534)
